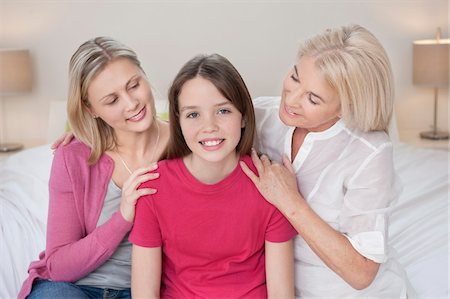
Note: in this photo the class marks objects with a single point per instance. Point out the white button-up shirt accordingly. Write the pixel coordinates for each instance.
(348, 178)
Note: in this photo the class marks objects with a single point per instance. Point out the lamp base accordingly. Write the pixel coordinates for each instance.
(10, 147)
(434, 135)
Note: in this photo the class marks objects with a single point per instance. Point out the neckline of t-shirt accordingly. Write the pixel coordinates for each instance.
(195, 185)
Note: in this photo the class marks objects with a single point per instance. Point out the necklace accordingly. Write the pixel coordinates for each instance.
(153, 154)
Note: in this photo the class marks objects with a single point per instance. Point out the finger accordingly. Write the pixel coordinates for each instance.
(67, 138)
(56, 143)
(142, 170)
(257, 161)
(265, 160)
(252, 176)
(288, 164)
(143, 178)
(145, 191)
(138, 172)
(133, 197)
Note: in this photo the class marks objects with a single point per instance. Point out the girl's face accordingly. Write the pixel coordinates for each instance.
(307, 100)
(210, 123)
(121, 96)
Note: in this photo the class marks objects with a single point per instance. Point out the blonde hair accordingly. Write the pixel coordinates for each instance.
(357, 67)
(86, 63)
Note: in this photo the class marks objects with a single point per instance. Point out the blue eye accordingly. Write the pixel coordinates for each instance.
(192, 115)
(224, 111)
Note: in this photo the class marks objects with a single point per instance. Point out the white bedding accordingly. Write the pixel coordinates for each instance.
(418, 231)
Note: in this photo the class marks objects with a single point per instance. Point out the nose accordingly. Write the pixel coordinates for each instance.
(209, 123)
(293, 96)
(131, 102)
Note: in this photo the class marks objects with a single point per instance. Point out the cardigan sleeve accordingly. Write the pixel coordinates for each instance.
(72, 253)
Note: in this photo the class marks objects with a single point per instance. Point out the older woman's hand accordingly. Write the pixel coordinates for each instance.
(276, 182)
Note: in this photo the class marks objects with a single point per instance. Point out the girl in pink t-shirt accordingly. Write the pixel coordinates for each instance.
(208, 232)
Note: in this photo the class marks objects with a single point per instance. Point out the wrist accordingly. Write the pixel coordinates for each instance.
(296, 204)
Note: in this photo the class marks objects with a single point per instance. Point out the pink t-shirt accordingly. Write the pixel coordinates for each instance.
(212, 236)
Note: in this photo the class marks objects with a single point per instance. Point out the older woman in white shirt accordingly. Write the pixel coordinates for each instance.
(331, 123)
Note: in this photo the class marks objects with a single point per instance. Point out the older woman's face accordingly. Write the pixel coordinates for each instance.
(121, 96)
(307, 100)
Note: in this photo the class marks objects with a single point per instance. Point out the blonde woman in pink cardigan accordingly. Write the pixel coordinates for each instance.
(94, 179)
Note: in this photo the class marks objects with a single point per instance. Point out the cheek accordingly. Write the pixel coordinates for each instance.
(237, 126)
(187, 130)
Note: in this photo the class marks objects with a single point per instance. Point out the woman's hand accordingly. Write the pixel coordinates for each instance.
(276, 182)
(131, 193)
(63, 140)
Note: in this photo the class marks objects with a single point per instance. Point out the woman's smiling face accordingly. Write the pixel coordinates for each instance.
(121, 96)
(307, 100)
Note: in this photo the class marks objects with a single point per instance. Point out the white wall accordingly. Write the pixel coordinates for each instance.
(259, 37)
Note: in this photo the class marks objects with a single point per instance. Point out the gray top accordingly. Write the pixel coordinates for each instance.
(115, 273)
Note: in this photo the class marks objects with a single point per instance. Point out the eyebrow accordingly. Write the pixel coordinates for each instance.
(194, 107)
(295, 70)
(137, 76)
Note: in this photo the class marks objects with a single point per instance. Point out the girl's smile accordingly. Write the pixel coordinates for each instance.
(211, 126)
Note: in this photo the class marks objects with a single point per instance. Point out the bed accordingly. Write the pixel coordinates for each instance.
(418, 231)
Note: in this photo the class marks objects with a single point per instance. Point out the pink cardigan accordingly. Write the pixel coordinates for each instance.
(75, 246)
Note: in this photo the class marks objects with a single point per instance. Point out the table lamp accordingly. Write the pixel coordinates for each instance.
(15, 78)
(430, 69)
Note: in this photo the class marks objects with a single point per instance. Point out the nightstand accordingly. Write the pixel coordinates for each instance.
(29, 144)
(4, 155)
(412, 137)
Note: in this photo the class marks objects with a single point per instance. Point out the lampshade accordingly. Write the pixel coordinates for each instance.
(430, 62)
(15, 71)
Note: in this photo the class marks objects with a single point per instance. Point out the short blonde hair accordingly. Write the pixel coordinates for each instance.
(88, 61)
(357, 67)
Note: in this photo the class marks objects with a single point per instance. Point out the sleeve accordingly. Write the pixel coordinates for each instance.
(370, 194)
(70, 253)
(146, 230)
(279, 229)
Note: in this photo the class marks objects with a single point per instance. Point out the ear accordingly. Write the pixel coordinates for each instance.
(89, 109)
(243, 123)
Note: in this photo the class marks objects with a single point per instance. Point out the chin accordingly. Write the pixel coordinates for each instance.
(288, 120)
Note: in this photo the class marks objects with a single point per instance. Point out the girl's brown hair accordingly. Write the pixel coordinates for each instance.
(220, 72)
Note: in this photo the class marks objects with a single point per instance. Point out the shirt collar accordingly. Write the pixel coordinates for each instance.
(328, 133)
